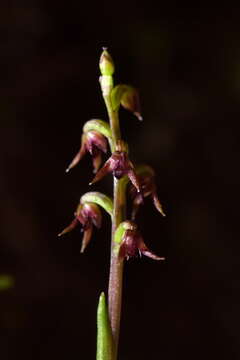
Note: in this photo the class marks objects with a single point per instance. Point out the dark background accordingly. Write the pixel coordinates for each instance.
(186, 63)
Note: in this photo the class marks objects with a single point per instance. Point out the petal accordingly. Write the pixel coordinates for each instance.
(149, 254)
(93, 213)
(145, 251)
(96, 139)
(137, 201)
(78, 156)
(135, 209)
(102, 172)
(86, 238)
(97, 160)
(157, 203)
(69, 228)
(134, 179)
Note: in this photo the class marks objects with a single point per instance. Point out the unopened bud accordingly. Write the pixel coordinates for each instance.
(128, 97)
(106, 63)
(130, 101)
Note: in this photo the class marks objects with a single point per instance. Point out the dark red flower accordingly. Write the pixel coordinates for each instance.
(148, 188)
(87, 215)
(120, 165)
(132, 244)
(94, 143)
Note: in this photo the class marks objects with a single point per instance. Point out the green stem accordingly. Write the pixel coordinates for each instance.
(116, 264)
(113, 119)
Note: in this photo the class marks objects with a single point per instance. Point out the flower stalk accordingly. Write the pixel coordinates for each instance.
(119, 204)
(126, 239)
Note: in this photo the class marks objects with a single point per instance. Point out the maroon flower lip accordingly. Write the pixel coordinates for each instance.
(148, 189)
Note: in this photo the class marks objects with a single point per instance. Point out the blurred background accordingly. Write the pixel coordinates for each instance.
(185, 61)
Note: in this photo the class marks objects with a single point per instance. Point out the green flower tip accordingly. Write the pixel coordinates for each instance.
(106, 64)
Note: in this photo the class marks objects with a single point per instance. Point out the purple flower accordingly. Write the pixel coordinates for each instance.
(132, 244)
(87, 215)
(148, 188)
(120, 165)
(94, 143)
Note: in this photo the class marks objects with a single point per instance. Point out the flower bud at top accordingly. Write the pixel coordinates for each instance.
(106, 64)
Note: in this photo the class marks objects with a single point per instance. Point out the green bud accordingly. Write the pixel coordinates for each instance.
(100, 199)
(128, 97)
(104, 335)
(106, 63)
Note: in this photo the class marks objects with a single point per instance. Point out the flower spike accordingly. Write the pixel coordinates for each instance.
(120, 165)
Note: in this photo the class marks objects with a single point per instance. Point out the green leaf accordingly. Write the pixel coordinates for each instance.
(100, 199)
(104, 335)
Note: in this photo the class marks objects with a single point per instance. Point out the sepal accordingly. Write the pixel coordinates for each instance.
(120, 165)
